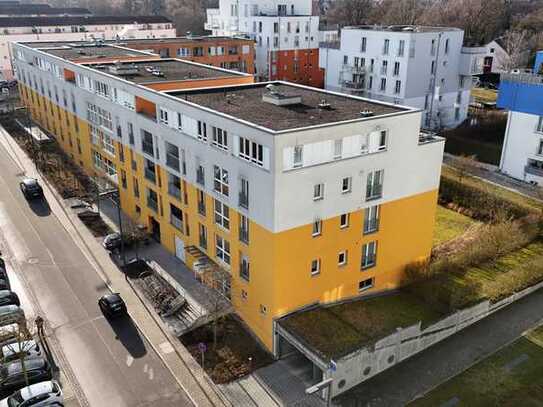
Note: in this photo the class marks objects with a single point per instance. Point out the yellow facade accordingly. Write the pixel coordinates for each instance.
(280, 277)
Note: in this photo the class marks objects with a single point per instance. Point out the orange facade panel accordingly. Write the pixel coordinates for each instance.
(299, 66)
(145, 107)
(200, 83)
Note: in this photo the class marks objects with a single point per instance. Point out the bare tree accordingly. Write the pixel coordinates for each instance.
(350, 12)
(515, 44)
(403, 12)
(464, 165)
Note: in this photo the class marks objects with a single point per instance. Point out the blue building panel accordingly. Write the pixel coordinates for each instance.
(538, 62)
(521, 97)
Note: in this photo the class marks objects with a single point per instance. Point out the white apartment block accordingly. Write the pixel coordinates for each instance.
(77, 28)
(276, 26)
(423, 67)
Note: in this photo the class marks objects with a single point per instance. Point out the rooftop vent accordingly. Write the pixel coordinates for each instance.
(157, 72)
(275, 97)
(323, 104)
(123, 69)
(366, 113)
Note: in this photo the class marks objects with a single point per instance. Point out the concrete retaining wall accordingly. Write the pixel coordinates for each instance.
(365, 363)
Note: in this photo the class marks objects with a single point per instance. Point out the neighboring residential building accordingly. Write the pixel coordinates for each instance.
(286, 36)
(77, 28)
(15, 8)
(224, 52)
(423, 67)
(286, 195)
(522, 152)
(495, 57)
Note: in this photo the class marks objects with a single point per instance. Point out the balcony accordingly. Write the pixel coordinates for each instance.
(176, 222)
(147, 148)
(374, 191)
(330, 44)
(244, 200)
(355, 86)
(353, 68)
(150, 175)
(172, 161)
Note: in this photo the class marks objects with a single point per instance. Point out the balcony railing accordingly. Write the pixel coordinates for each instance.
(244, 235)
(176, 222)
(368, 261)
(353, 85)
(244, 200)
(533, 170)
(371, 226)
(150, 175)
(147, 148)
(374, 191)
(172, 161)
(174, 190)
(330, 44)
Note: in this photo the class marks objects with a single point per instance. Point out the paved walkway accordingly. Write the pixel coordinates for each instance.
(423, 372)
(490, 173)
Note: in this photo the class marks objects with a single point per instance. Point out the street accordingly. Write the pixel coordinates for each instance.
(111, 361)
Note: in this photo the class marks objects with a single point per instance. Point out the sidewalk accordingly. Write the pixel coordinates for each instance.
(177, 359)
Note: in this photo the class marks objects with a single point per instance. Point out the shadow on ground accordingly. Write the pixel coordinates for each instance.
(127, 333)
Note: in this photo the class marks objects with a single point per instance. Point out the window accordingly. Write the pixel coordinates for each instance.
(447, 46)
(136, 187)
(433, 67)
(244, 193)
(345, 60)
(222, 214)
(202, 131)
(384, 67)
(317, 228)
(433, 48)
(251, 151)
(401, 48)
(202, 236)
(346, 185)
(365, 284)
(318, 192)
(131, 133)
(364, 44)
(386, 46)
(396, 69)
(163, 116)
(374, 186)
(342, 258)
(244, 229)
(176, 217)
(147, 143)
(244, 271)
(298, 156)
(174, 186)
(220, 180)
(456, 113)
(383, 86)
(540, 124)
(369, 255)
(371, 219)
(98, 116)
(222, 249)
(220, 138)
(338, 147)
(344, 221)
(540, 148)
(315, 267)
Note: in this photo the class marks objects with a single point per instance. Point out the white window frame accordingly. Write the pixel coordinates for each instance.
(345, 189)
(344, 220)
(539, 127)
(318, 191)
(220, 138)
(298, 156)
(341, 262)
(222, 214)
(315, 268)
(251, 151)
(220, 180)
(317, 228)
(366, 286)
(222, 249)
(369, 255)
(371, 219)
(338, 149)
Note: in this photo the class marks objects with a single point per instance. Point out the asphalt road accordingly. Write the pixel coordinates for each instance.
(110, 360)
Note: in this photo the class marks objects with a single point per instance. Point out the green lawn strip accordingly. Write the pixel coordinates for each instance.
(342, 328)
(491, 383)
(450, 224)
(506, 194)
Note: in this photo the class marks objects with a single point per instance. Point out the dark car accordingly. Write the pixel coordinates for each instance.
(30, 188)
(113, 241)
(9, 298)
(112, 305)
(12, 377)
(4, 282)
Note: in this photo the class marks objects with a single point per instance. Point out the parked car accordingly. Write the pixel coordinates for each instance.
(112, 305)
(40, 394)
(11, 314)
(27, 349)
(9, 334)
(8, 297)
(113, 241)
(12, 376)
(30, 188)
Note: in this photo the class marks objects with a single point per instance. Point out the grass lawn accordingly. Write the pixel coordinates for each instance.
(337, 330)
(511, 377)
(450, 224)
(521, 200)
(486, 152)
(484, 95)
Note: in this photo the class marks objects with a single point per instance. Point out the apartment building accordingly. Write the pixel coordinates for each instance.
(424, 67)
(286, 36)
(15, 8)
(76, 28)
(287, 195)
(224, 52)
(522, 152)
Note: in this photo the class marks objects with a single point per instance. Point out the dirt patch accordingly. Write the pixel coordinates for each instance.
(95, 224)
(236, 354)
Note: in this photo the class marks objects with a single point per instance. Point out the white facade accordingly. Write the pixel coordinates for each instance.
(495, 58)
(423, 67)
(84, 33)
(411, 165)
(522, 155)
(274, 25)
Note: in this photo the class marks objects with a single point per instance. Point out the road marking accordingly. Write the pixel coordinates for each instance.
(166, 347)
(151, 374)
(129, 360)
(145, 368)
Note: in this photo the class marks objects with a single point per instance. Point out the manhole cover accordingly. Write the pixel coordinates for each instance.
(33, 260)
